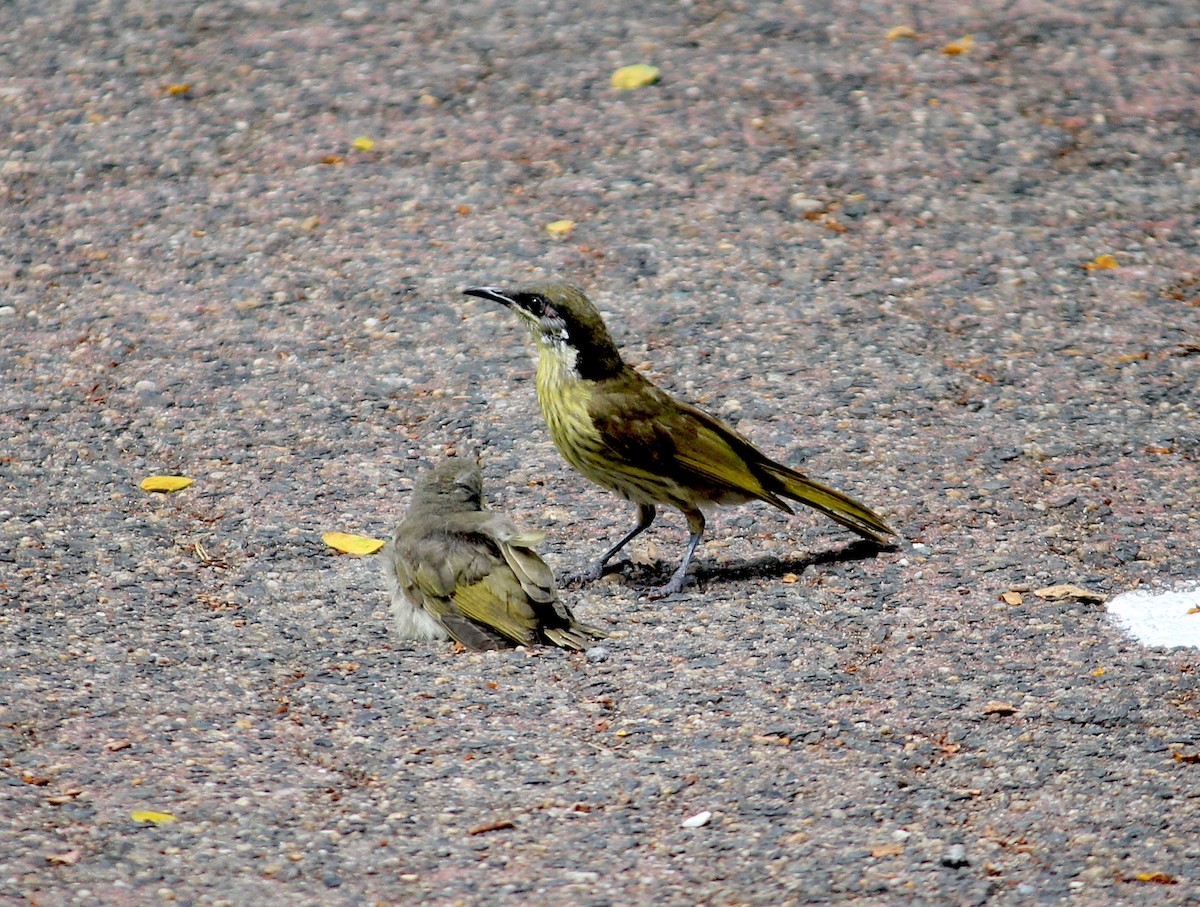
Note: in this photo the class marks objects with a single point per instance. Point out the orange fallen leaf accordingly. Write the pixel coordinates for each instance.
(1187, 758)
(900, 31)
(1103, 262)
(961, 46)
(348, 543)
(1158, 878)
(181, 88)
(1099, 672)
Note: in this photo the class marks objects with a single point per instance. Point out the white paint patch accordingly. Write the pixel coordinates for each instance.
(1159, 617)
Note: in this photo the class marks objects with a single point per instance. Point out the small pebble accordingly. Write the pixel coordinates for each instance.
(697, 821)
(597, 654)
(955, 857)
(802, 204)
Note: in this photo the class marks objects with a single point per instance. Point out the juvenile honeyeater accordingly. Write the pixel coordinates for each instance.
(625, 433)
(457, 571)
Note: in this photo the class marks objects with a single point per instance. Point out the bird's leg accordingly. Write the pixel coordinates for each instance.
(695, 521)
(646, 514)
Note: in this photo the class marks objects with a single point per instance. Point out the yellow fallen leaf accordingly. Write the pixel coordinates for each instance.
(362, 143)
(900, 31)
(181, 88)
(636, 76)
(165, 483)
(559, 228)
(147, 815)
(1158, 878)
(961, 46)
(1099, 672)
(348, 543)
(1103, 262)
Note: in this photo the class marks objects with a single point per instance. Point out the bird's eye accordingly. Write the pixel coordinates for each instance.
(537, 305)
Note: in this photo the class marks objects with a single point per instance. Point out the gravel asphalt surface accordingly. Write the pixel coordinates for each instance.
(961, 286)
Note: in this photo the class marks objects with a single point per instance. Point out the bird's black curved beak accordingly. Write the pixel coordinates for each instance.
(493, 293)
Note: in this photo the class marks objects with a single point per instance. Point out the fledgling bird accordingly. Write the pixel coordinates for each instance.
(455, 570)
(625, 433)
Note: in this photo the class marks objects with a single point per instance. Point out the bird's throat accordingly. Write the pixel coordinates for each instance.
(564, 398)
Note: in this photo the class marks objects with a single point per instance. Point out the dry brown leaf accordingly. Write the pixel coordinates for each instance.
(770, 740)
(1012, 598)
(645, 556)
(498, 825)
(999, 707)
(1068, 591)
(66, 858)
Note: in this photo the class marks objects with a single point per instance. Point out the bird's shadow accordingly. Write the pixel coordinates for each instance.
(768, 566)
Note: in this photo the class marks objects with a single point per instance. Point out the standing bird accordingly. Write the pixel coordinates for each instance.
(455, 570)
(625, 433)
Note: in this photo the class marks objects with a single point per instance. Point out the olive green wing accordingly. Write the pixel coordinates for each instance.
(651, 433)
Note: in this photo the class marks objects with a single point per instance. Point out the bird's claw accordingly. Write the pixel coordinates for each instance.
(594, 572)
(675, 585)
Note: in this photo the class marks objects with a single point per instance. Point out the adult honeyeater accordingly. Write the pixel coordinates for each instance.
(455, 570)
(625, 433)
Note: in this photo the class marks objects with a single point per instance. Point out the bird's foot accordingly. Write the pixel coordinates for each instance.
(675, 585)
(593, 573)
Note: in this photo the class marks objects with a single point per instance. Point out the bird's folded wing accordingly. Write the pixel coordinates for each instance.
(650, 431)
(499, 602)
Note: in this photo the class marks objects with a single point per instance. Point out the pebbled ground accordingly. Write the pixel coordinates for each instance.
(879, 260)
